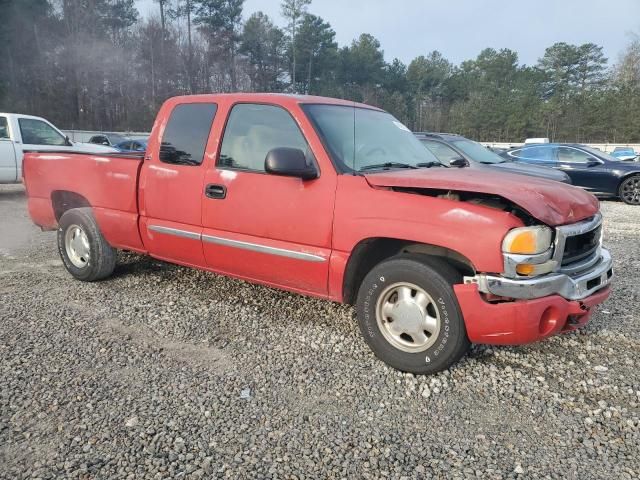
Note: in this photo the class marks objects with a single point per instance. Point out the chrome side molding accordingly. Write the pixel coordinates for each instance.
(227, 242)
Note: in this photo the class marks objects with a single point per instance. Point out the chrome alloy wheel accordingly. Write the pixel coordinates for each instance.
(408, 317)
(76, 244)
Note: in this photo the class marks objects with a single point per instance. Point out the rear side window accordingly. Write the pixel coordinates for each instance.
(37, 132)
(253, 130)
(186, 134)
(534, 154)
(4, 128)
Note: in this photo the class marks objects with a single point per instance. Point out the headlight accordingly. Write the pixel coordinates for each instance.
(527, 240)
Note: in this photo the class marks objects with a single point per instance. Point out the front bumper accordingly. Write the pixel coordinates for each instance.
(571, 287)
(522, 321)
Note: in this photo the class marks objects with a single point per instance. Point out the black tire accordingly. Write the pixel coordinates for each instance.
(436, 278)
(101, 258)
(629, 190)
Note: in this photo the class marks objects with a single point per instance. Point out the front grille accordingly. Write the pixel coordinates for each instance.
(581, 246)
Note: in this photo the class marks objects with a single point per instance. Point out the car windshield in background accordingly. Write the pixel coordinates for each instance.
(363, 139)
(117, 139)
(477, 152)
(601, 154)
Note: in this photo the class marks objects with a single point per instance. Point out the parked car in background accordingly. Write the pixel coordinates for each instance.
(448, 147)
(21, 133)
(625, 153)
(589, 168)
(337, 200)
(132, 146)
(108, 139)
(536, 140)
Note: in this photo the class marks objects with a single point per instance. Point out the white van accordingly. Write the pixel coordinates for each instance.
(536, 140)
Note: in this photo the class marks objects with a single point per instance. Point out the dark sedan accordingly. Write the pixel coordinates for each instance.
(108, 139)
(448, 147)
(589, 168)
(132, 146)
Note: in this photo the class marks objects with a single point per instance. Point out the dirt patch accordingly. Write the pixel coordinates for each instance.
(195, 355)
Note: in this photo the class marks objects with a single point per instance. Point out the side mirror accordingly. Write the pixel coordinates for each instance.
(289, 162)
(68, 142)
(593, 163)
(458, 162)
(105, 143)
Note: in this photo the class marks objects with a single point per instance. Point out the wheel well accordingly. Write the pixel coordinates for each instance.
(63, 200)
(628, 175)
(370, 252)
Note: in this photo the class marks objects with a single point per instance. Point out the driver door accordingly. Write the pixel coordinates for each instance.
(264, 227)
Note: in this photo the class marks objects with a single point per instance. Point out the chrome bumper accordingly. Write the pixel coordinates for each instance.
(571, 287)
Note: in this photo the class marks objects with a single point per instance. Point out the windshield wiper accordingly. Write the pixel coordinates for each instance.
(387, 165)
(430, 164)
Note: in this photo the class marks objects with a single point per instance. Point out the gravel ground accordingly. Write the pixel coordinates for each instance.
(167, 372)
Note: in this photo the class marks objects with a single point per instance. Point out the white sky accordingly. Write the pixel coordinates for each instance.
(461, 28)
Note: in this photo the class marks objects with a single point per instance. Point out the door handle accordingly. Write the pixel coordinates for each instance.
(215, 191)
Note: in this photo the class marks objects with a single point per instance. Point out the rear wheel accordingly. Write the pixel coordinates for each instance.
(83, 250)
(409, 315)
(629, 191)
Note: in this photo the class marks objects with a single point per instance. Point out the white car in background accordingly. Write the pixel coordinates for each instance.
(19, 133)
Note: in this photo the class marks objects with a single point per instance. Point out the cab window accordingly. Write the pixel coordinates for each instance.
(37, 132)
(253, 130)
(186, 134)
(4, 128)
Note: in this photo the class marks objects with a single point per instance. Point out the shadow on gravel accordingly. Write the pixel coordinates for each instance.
(132, 264)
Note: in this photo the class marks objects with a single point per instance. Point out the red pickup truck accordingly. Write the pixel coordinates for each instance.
(338, 200)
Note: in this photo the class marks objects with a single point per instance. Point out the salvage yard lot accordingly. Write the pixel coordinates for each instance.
(164, 372)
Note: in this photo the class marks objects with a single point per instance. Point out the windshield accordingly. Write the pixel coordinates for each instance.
(600, 154)
(478, 152)
(360, 139)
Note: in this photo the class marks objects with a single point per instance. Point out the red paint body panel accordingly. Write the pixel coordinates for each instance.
(543, 199)
(298, 235)
(109, 184)
(120, 228)
(363, 212)
(519, 322)
(41, 212)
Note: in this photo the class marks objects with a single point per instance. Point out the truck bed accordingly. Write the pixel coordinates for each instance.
(107, 182)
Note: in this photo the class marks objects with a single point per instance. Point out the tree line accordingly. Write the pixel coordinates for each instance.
(100, 65)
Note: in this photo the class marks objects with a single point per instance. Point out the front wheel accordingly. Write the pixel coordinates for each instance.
(629, 190)
(84, 251)
(409, 315)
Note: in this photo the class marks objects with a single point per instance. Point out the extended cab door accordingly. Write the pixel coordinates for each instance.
(8, 164)
(260, 226)
(170, 189)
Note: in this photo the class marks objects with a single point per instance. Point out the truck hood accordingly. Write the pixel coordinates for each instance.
(552, 203)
